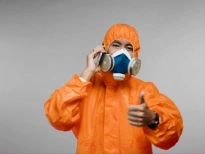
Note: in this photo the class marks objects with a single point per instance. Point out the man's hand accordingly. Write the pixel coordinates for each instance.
(91, 67)
(140, 115)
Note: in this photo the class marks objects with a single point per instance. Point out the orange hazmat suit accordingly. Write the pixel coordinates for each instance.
(96, 110)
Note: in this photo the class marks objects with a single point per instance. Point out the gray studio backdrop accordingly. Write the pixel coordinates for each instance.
(44, 42)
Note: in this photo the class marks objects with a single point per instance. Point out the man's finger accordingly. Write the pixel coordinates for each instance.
(96, 49)
(141, 97)
(135, 108)
(135, 119)
(144, 105)
(138, 124)
(136, 114)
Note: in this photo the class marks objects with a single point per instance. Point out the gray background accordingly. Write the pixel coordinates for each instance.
(44, 42)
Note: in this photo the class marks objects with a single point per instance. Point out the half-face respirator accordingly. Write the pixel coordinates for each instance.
(119, 64)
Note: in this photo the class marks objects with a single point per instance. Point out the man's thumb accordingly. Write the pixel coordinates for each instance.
(141, 97)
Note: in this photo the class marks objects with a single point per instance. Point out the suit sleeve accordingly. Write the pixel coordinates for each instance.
(62, 108)
(168, 133)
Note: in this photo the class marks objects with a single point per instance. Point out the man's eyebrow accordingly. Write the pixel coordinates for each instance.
(116, 42)
(128, 44)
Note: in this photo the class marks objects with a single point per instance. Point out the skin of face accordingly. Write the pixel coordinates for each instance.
(117, 45)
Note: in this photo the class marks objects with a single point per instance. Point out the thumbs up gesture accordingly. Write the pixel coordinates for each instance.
(140, 115)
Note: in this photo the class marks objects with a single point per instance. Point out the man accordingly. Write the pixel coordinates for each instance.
(108, 109)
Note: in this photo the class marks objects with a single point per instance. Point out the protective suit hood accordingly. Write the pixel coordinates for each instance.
(122, 31)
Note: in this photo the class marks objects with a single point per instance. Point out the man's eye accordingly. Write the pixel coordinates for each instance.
(129, 48)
